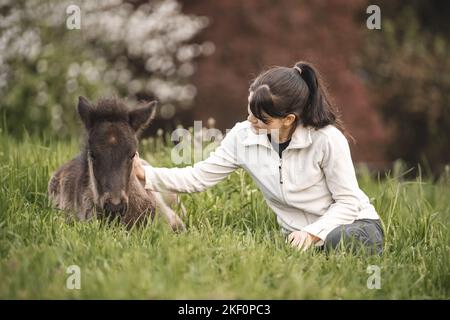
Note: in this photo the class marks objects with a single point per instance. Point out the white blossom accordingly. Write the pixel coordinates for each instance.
(156, 35)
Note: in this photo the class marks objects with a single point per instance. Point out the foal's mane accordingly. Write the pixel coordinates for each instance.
(107, 109)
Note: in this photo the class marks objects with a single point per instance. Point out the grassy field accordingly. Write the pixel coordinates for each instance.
(232, 248)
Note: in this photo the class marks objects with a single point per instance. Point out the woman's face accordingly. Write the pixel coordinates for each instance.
(273, 124)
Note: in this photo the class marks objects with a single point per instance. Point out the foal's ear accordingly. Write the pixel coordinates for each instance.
(142, 116)
(84, 110)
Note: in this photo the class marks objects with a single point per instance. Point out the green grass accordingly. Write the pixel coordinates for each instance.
(232, 248)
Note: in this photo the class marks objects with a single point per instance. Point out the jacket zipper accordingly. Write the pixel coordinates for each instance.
(280, 167)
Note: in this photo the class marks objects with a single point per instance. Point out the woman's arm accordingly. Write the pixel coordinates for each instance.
(200, 176)
(341, 179)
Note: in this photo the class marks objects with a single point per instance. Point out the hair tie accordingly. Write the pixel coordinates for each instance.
(298, 69)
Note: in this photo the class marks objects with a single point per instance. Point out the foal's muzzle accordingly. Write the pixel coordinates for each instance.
(115, 210)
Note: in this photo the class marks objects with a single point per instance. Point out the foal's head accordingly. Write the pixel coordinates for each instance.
(110, 149)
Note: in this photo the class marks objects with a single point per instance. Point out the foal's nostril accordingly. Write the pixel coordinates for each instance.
(115, 209)
(123, 208)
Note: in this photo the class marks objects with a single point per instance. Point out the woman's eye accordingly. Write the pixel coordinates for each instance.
(132, 157)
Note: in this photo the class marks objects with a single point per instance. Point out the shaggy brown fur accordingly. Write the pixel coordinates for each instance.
(100, 181)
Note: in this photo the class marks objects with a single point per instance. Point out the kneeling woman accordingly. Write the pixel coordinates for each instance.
(294, 146)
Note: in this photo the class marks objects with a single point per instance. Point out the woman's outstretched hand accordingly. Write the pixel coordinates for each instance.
(138, 168)
(302, 240)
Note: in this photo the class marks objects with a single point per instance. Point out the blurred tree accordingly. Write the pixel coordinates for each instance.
(139, 50)
(407, 65)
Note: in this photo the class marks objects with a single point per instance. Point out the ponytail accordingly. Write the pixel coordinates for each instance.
(318, 111)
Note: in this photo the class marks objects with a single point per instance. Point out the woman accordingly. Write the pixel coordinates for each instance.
(293, 145)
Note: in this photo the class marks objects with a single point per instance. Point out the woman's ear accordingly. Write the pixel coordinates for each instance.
(289, 119)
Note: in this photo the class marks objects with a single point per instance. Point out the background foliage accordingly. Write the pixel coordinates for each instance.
(136, 51)
(408, 65)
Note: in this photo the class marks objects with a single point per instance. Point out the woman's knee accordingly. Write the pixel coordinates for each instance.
(334, 238)
(354, 236)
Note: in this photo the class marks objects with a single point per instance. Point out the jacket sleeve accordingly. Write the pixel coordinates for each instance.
(341, 179)
(202, 175)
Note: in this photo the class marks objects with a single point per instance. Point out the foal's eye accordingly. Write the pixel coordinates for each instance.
(92, 155)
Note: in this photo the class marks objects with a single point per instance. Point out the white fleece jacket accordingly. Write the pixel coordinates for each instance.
(313, 187)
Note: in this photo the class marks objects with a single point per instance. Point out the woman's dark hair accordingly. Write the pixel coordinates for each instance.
(280, 91)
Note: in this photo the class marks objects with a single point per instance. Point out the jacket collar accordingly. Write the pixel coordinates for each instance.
(301, 138)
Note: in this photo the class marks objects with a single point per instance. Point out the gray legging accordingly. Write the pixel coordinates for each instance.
(363, 233)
